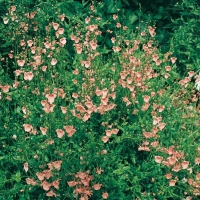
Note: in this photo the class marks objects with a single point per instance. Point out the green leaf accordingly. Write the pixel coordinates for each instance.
(17, 177)
(110, 7)
(2, 157)
(130, 16)
(27, 195)
(105, 50)
(22, 198)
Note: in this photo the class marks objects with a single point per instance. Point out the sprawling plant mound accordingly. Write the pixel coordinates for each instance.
(80, 120)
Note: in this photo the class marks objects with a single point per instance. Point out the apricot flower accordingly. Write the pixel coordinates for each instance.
(70, 130)
(55, 184)
(172, 183)
(46, 185)
(51, 194)
(5, 20)
(28, 127)
(50, 97)
(97, 186)
(21, 63)
(5, 88)
(55, 164)
(72, 183)
(40, 176)
(43, 130)
(185, 164)
(60, 133)
(28, 76)
(53, 61)
(30, 181)
(55, 26)
(25, 166)
(105, 139)
(105, 195)
(158, 159)
(63, 41)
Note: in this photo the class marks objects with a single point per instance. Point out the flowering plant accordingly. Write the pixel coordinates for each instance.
(82, 120)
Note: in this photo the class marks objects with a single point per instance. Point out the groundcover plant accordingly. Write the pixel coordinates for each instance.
(80, 120)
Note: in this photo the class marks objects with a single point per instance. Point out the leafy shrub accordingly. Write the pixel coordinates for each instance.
(93, 109)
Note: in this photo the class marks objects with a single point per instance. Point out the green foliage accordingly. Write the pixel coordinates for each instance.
(94, 105)
(185, 41)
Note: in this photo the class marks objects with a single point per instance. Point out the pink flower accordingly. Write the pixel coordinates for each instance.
(99, 171)
(43, 130)
(146, 98)
(108, 133)
(61, 31)
(28, 76)
(40, 176)
(116, 48)
(26, 167)
(18, 72)
(47, 44)
(87, 20)
(53, 61)
(197, 161)
(172, 160)
(158, 159)
(62, 17)
(118, 25)
(152, 31)
(173, 59)
(92, 27)
(55, 26)
(30, 43)
(60, 133)
(198, 177)
(155, 57)
(30, 181)
(104, 195)
(191, 73)
(63, 41)
(97, 186)
(172, 183)
(5, 88)
(105, 139)
(87, 63)
(55, 164)
(93, 45)
(148, 134)
(113, 40)
(5, 20)
(161, 125)
(158, 62)
(21, 63)
(167, 75)
(115, 16)
(44, 68)
(50, 97)
(115, 131)
(46, 186)
(70, 130)
(104, 151)
(185, 164)
(72, 183)
(28, 127)
(78, 49)
(168, 68)
(168, 176)
(80, 108)
(55, 184)
(63, 109)
(51, 194)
